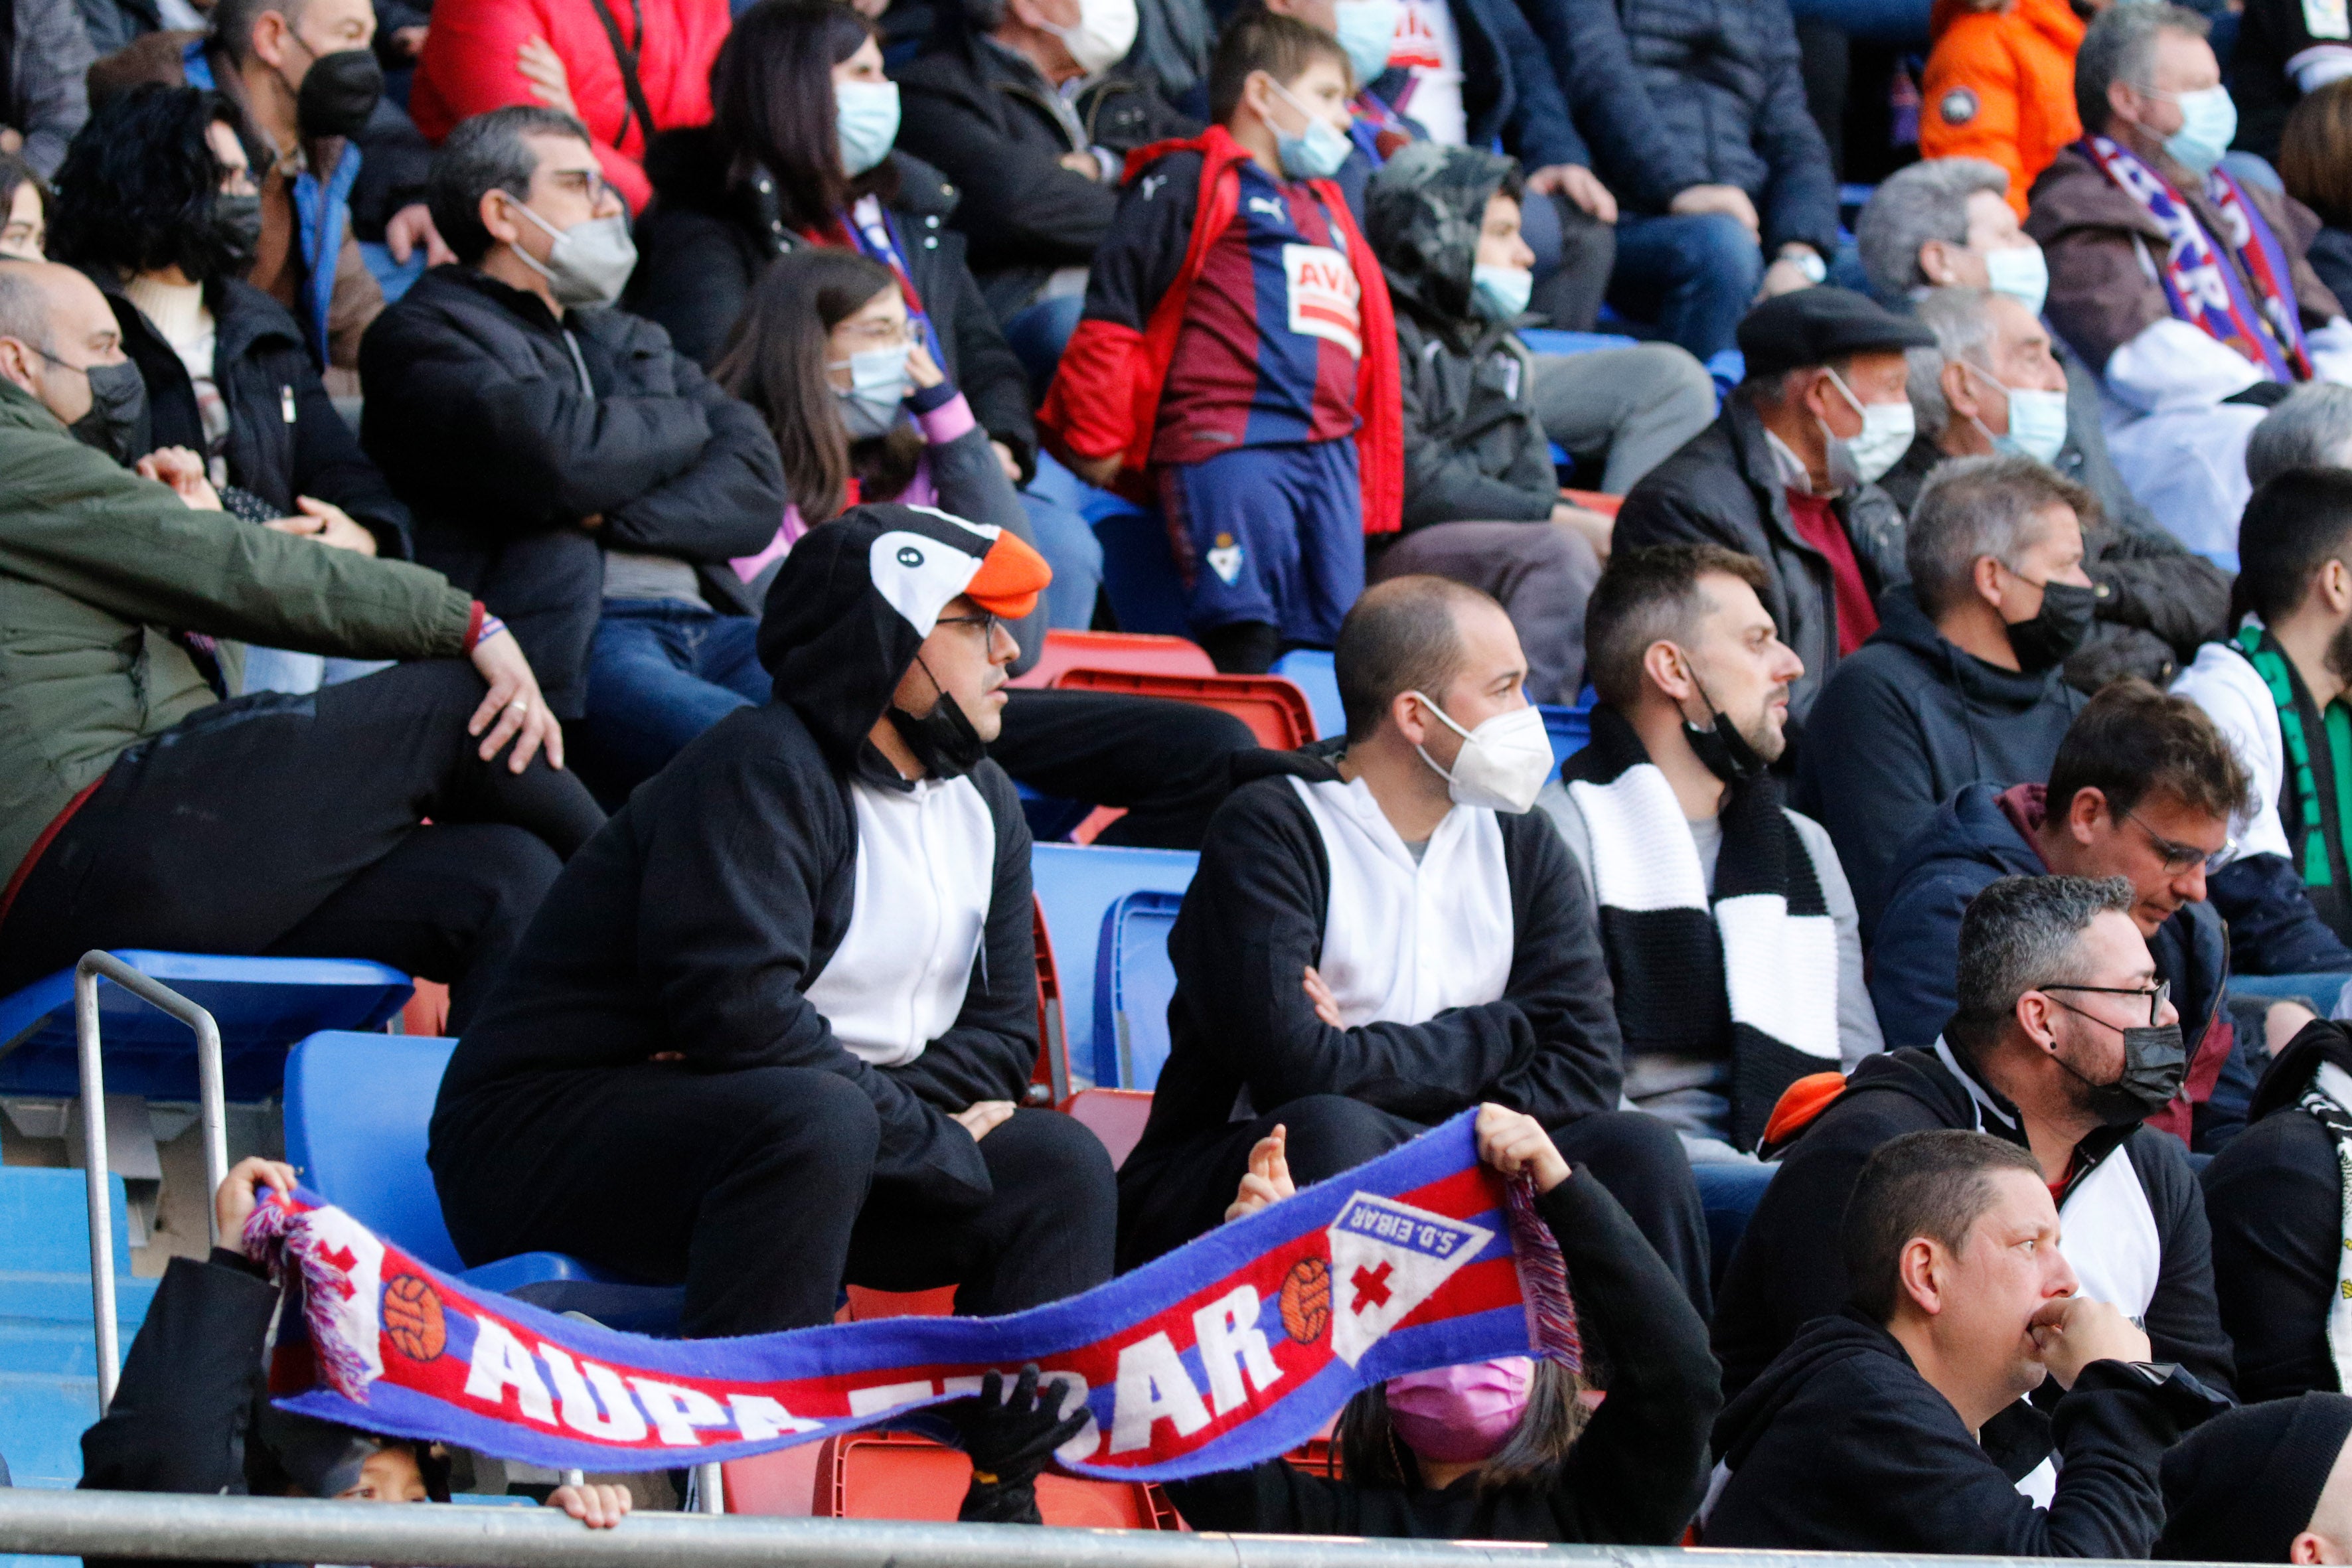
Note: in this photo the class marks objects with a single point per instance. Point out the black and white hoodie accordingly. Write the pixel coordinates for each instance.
(780, 897)
(1473, 972)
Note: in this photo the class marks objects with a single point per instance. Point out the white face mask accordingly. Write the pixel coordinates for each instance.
(1886, 432)
(1502, 764)
(2021, 272)
(1106, 31)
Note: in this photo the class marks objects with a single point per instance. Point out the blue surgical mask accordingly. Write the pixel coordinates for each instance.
(1367, 30)
(1317, 153)
(878, 383)
(2037, 420)
(1501, 293)
(2208, 122)
(865, 119)
(2021, 272)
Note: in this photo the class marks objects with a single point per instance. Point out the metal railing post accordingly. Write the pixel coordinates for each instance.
(212, 1110)
(709, 1489)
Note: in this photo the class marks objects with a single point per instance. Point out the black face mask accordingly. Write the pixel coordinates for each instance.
(2156, 1061)
(2056, 630)
(1720, 747)
(944, 740)
(237, 233)
(339, 93)
(117, 421)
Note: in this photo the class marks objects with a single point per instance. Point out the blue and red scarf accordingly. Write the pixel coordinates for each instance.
(2203, 290)
(1232, 1350)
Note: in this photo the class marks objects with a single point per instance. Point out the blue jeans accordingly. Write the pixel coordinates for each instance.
(1067, 542)
(659, 674)
(1037, 334)
(1690, 278)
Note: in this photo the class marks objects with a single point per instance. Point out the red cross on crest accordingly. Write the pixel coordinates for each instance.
(1371, 1287)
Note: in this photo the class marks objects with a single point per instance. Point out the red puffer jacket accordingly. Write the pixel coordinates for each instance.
(470, 65)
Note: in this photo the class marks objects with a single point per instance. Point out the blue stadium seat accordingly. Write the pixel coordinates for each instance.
(1138, 572)
(1570, 730)
(48, 1355)
(262, 1005)
(1553, 341)
(1133, 984)
(358, 1112)
(1311, 668)
(1076, 882)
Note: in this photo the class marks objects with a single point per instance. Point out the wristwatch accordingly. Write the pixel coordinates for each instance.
(1807, 261)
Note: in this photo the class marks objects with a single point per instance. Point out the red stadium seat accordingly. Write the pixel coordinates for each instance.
(1049, 1082)
(1594, 500)
(896, 1475)
(1276, 710)
(1116, 650)
(1116, 1115)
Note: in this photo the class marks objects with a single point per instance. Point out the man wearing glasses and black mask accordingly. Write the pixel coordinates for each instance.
(2144, 787)
(2066, 1040)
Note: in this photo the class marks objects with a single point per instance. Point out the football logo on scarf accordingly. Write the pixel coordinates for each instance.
(1387, 1258)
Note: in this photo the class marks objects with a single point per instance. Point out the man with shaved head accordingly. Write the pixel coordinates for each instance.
(1380, 934)
(141, 806)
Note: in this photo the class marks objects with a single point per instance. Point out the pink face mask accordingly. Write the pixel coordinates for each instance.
(1457, 1414)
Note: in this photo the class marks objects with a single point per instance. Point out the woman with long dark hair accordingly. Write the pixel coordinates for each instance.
(24, 210)
(830, 356)
(800, 152)
(1508, 1450)
(157, 205)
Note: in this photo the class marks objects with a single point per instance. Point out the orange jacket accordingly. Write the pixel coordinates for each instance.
(2000, 87)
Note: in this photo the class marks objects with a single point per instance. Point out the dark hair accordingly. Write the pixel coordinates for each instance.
(1934, 1185)
(775, 359)
(771, 104)
(1399, 636)
(15, 174)
(2293, 525)
(2017, 935)
(1647, 594)
(2132, 740)
(137, 187)
(2315, 155)
(1282, 46)
(1370, 1454)
(488, 151)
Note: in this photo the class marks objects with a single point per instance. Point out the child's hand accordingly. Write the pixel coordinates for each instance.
(1268, 1180)
(599, 1505)
(922, 368)
(240, 1192)
(1513, 1142)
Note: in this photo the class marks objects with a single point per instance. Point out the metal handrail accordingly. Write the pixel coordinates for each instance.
(287, 1530)
(212, 1107)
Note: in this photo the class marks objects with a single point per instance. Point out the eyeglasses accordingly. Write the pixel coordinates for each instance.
(584, 182)
(2178, 856)
(2157, 995)
(986, 621)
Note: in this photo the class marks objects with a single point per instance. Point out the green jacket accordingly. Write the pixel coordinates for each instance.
(97, 565)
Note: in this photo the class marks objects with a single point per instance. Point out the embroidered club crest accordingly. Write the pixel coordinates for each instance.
(1387, 1258)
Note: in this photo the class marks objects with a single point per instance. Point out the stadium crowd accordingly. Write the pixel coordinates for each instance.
(550, 499)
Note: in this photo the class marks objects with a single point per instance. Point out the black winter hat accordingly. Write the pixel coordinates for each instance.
(2241, 1488)
(1816, 325)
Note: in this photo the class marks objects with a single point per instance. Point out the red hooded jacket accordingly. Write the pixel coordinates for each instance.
(1105, 398)
(470, 65)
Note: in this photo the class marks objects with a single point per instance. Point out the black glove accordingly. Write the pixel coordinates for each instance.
(1010, 1440)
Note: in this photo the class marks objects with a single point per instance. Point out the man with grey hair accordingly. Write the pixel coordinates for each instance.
(2311, 430)
(2186, 290)
(2065, 1041)
(1961, 683)
(1991, 385)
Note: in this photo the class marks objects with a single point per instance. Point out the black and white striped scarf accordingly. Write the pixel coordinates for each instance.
(1754, 978)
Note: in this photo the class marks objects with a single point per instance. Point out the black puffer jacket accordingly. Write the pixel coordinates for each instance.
(1473, 446)
(1675, 93)
(988, 122)
(1722, 488)
(285, 438)
(703, 243)
(476, 414)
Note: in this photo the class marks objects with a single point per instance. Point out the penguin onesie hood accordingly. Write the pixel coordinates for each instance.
(779, 896)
